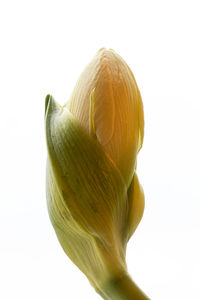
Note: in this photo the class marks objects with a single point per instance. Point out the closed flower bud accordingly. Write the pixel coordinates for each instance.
(94, 198)
(118, 111)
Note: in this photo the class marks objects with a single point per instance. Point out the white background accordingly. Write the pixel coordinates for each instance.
(44, 47)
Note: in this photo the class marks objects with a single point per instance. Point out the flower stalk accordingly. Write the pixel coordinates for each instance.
(122, 288)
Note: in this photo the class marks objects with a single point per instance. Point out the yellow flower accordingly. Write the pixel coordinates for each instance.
(94, 198)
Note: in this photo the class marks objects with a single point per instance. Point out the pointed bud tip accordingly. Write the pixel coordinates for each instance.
(105, 50)
(51, 105)
(47, 101)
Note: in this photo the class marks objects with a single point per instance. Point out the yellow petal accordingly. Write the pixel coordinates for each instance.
(135, 207)
(118, 117)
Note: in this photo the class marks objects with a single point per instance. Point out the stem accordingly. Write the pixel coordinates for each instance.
(122, 288)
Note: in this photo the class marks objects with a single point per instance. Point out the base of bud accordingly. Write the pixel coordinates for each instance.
(122, 288)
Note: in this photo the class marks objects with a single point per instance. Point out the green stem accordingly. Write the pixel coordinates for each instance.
(123, 288)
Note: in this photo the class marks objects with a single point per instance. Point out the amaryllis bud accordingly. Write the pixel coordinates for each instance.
(94, 198)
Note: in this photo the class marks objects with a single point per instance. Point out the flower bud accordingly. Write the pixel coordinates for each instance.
(118, 110)
(94, 197)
